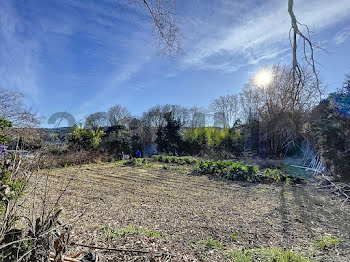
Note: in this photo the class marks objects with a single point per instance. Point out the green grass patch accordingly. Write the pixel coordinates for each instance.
(108, 232)
(266, 255)
(234, 236)
(327, 241)
(151, 233)
(210, 243)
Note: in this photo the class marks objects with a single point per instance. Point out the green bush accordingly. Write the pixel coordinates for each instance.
(117, 141)
(213, 141)
(329, 129)
(4, 124)
(10, 185)
(84, 139)
(168, 137)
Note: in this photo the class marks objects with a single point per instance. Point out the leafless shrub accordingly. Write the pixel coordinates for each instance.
(30, 227)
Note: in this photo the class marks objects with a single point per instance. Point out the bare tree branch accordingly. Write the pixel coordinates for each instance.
(166, 30)
(307, 44)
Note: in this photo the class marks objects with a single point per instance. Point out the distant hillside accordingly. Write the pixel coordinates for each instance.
(55, 135)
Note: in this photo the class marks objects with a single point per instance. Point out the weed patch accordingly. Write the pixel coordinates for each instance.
(151, 233)
(108, 232)
(266, 255)
(234, 237)
(212, 244)
(327, 241)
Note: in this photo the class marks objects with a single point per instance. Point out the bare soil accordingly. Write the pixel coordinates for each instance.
(178, 217)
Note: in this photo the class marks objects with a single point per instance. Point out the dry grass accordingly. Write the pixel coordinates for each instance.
(195, 218)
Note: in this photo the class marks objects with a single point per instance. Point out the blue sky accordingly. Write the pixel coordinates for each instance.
(85, 56)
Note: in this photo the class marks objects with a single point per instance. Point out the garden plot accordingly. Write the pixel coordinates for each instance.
(179, 217)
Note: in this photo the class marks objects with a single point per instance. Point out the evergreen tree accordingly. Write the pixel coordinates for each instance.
(168, 137)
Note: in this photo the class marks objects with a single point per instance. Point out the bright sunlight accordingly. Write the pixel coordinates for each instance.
(263, 78)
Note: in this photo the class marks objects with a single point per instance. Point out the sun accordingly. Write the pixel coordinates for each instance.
(263, 78)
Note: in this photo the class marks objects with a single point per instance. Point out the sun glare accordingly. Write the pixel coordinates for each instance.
(263, 78)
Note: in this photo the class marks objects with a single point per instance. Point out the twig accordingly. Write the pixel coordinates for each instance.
(14, 242)
(114, 249)
(123, 250)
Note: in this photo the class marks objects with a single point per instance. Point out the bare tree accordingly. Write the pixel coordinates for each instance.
(118, 115)
(154, 117)
(250, 102)
(196, 117)
(12, 108)
(225, 110)
(95, 120)
(280, 106)
(23, 119)
(180, 113)
(281, 94)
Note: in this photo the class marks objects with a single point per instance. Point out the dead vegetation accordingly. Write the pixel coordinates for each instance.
(159, 214)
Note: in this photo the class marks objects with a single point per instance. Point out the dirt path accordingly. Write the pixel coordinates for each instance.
(162, 210)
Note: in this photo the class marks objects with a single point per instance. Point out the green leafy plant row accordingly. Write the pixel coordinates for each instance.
(138, 162)
(238, 171)
(228, 169)
(175, 160)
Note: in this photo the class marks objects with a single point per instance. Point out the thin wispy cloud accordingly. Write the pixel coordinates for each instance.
(84, 56)
(18, 54)
(114, 83)
(342, 35)
(93, 42)
(259, 35)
